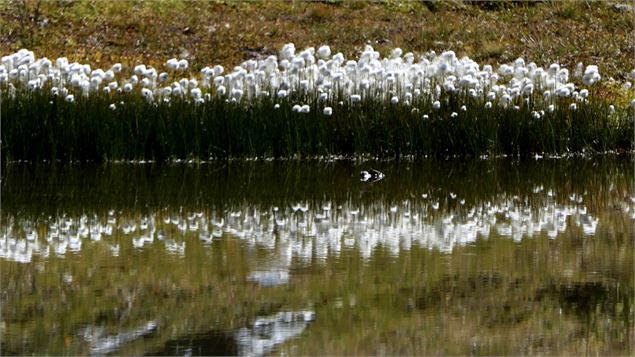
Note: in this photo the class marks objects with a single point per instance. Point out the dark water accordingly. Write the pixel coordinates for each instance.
(485, 257)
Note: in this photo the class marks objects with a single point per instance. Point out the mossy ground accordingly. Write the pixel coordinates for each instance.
(210, 32)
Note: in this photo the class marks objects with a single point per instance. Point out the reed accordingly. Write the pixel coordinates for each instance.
(39, 126)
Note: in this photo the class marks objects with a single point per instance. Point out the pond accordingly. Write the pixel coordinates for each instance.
(481, 257)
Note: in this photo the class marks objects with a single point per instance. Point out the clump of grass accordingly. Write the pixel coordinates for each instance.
(306, 104)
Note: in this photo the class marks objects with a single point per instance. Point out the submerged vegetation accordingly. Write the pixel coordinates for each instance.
(307, 104)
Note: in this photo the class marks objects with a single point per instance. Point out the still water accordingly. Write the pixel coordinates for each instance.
(258, 258)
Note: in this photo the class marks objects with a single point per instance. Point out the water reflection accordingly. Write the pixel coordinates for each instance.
(101, 344)
(433, 223)
(485, 257)
(268, 332)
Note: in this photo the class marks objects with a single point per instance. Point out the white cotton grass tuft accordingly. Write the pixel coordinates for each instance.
(324, 52)
(584, 93)
(328, 111)
(172, 64)
(183, 65)
(591, 75)
(196, 93)
(139, 69)
(147, 94)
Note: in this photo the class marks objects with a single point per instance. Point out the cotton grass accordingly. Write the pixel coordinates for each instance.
(308, 103)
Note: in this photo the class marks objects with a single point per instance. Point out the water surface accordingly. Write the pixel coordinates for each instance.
(253, 258)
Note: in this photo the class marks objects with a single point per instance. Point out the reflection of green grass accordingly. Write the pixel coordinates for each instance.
(147, 188)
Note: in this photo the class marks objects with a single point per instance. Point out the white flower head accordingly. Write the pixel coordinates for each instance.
(183, 64)
(324, 52)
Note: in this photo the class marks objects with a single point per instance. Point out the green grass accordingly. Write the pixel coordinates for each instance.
(37, 126)
(229, 32)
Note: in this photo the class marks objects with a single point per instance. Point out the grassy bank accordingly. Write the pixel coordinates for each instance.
(228, 32)
(370, 99)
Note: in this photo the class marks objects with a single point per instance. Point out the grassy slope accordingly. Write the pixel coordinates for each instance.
(207, 32)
